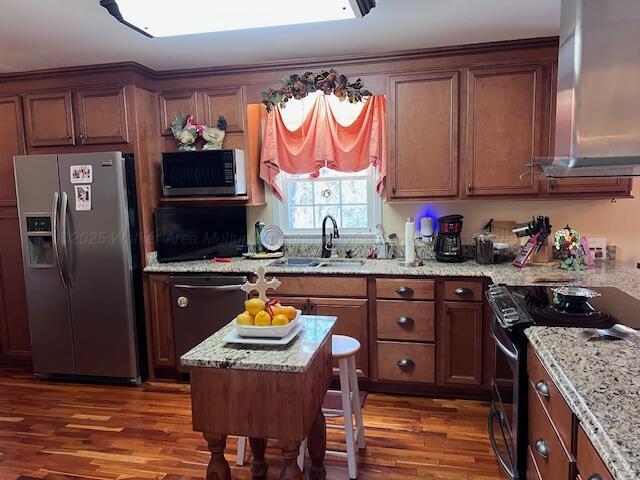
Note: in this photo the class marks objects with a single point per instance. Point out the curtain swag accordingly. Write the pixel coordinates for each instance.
(323, 142)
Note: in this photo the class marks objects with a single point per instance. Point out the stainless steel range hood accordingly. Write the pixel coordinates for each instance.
(598, 103)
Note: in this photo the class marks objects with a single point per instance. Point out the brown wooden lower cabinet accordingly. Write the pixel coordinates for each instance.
(162, 337)
(407, 362)
(15, 342)
(463, 342)
(589, 463)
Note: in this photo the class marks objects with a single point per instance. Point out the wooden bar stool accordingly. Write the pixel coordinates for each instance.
(347, 403)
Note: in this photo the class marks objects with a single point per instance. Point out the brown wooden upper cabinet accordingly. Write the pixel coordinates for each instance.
(11, 143)
(506, 112)
(173, 103)
(226, 102)
(205, 105)
(98, 116)
(424, 124)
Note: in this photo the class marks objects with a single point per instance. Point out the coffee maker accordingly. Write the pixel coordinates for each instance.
(448, 243)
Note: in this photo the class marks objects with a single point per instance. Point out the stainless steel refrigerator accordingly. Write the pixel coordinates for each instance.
(81, 258)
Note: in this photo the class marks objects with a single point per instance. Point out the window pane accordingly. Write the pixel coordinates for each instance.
(300, 217)
(326, 192)
(354, 216)
(301, 193)
(354, 191)
(332, 210)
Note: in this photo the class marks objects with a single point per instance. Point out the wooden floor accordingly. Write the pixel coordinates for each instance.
(62, 430)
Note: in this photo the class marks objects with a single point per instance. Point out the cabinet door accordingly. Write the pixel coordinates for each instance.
(102, 116)
(14, 325)
(49, 119)
(228, 103)
(162, 322)
(424, 135)
(11, 143)
(173, 103)
(352, 322)
(613, 185)
(463, 343)
(506, 115)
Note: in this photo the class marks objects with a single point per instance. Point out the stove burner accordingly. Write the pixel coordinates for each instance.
(569, 318)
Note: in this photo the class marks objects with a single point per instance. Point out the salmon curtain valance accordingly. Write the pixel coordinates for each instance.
(321, 141)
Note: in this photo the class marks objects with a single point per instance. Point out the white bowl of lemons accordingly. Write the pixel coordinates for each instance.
(266, 321)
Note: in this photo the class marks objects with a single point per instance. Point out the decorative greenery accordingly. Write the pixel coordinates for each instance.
(299, 86)
(186, 129)
(567, 242)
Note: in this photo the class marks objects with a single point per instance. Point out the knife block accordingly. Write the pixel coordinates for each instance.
(544, 256)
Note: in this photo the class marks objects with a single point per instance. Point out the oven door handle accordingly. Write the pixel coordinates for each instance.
(492, 439)
(512, 355)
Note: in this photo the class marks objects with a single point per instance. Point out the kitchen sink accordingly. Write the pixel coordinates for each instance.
(321, 263)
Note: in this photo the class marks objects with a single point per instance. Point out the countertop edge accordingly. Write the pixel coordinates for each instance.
(606, 448)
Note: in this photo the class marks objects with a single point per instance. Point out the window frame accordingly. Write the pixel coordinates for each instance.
(374, 204)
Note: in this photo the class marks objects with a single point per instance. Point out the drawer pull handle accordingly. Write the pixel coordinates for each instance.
(404, 290)
(182, 302)
(541, 448)
(463, 291)
(542, 388)
(405, 321)
(406, 363)
(595, 476)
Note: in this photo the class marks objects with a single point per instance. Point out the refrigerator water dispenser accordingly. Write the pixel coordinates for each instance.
(40, 241)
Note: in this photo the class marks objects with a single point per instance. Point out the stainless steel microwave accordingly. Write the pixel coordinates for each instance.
(207, 172)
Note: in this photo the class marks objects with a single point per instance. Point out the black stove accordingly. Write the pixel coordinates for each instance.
(514, 310)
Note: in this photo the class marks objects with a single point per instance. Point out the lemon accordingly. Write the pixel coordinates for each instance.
(280, 320)
(263, 319)
(245, 318)
(277, 309)
(290, 312)
(254, 305)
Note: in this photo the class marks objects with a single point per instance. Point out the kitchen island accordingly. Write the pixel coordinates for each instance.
(263, 392)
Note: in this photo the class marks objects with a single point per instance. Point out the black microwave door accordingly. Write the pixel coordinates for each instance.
(209, 172)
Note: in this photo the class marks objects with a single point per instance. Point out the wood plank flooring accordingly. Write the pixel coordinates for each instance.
(70, 431)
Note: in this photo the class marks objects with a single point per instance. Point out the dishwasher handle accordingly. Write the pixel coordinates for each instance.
(209, 287)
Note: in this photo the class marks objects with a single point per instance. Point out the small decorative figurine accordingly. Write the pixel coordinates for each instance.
(186, 129)
(214, 136)
(262, 285)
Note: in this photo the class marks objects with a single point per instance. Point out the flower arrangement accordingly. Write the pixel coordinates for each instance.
(567, 242)
(186, 130)
(328, 81)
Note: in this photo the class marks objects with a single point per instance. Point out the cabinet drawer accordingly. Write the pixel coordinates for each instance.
(463, 291)
(406, 362)
(590, 464)
(551, 398)
(323, 286)
(405, 288)
(402, 320)
(552, 460)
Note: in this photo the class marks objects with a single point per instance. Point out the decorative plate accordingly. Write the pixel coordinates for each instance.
(272, 237)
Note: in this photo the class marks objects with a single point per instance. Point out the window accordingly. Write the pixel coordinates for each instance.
(350, 198)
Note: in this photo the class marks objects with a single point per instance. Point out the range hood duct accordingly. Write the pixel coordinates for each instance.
(598, 103)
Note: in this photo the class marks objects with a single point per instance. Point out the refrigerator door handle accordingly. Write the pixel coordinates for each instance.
(63, 238)
(54, 235)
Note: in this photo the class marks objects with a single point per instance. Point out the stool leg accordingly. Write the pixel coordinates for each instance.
(343, 364)
(301, 454)
(242, 448)
(357, 409)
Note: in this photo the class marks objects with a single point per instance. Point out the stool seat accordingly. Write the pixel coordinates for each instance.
(344, 347)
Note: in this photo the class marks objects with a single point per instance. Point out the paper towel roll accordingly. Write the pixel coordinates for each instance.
(409, 241)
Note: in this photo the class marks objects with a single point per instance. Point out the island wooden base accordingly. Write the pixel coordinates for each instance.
(284, 406)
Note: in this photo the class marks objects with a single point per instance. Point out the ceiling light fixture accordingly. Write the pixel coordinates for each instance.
(167, 18)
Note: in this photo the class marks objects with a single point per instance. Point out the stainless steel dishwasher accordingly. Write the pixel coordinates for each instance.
(201, 307)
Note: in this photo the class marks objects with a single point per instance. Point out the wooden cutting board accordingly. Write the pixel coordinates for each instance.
(540, 277)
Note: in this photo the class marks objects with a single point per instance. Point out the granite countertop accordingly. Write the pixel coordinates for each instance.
(626, 278)
(601, 382)
(294, 357)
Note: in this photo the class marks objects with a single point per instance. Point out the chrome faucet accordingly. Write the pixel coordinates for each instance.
(327, 247)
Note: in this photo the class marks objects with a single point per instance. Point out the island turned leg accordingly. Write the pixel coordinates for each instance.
(258, 463)
(218, 466)
(317, 441)
(291, 470)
